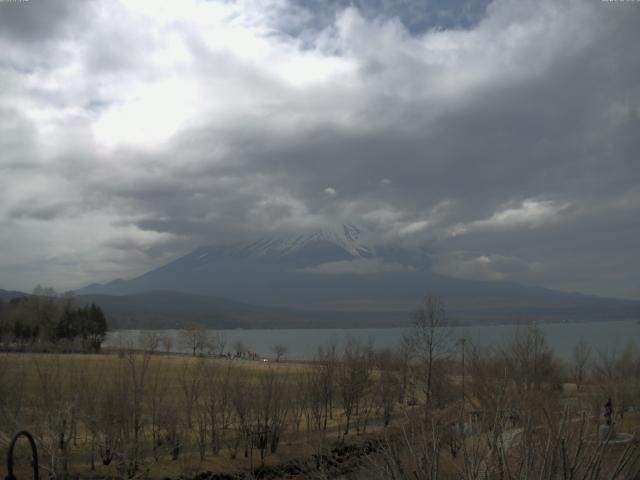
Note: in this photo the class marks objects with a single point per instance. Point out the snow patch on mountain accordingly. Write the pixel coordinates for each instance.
(347, 238)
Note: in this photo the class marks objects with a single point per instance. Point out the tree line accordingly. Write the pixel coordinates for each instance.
(46, 320)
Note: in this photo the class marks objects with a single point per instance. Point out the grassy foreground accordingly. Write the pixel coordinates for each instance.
(134, 414)
(511, 412)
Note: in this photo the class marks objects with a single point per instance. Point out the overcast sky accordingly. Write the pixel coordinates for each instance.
(503, 136)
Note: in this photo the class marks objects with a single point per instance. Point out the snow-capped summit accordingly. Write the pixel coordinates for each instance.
(347, 238)
(338, 243)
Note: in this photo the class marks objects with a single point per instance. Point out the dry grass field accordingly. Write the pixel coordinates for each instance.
(135, 414)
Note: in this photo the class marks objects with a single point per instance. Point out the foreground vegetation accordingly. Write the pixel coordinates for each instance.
(433, 408)
(132, 413)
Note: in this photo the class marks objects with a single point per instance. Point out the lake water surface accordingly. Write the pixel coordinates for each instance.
(302, 344)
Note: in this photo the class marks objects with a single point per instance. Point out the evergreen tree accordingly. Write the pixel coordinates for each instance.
(52, 319)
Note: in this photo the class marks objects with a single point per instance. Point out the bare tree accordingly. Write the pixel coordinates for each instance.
(90, 391)
(58, 413)
(617, 376)
(388, 385)
(580, 360)
(156, 402)
(218, 403)
(270, 412)
(149, 341)
(216, 343)
(299, 400)
(243, 394)
(563, 448)
(403, 353)
(327, 361)
(194, 338)
(430, 340)
(169, 422)
(279, 350)
(190, 379)
(530, 359)
(354, 379)
(137, 367)
(166, 341)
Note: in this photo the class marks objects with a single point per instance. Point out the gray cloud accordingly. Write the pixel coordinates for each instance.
(38, 20)
(501, 137)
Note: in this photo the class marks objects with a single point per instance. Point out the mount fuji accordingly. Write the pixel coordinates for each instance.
(320, 269)
(336, 271)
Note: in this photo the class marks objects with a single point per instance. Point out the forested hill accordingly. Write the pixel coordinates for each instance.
(172, 309)
(43, 321)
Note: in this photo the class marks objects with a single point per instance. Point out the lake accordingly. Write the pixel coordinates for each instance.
(302, 344)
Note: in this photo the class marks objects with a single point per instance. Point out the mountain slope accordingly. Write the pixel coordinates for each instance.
(162, 309)
(7, 295)
(337, 271)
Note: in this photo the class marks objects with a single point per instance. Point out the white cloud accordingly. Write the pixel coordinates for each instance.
(481, 266)
(413, 227)
(150, 116)
(398, 225)
(530, 214)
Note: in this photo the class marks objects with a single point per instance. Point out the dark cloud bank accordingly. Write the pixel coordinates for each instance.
(503, 137)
